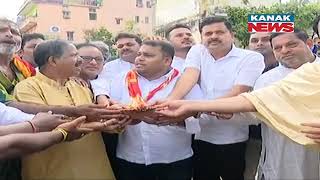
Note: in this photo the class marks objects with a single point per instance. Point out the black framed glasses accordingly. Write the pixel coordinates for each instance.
(90, 58)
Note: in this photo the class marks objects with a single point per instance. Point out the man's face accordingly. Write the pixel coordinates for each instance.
(9, 37)
(69, 64)
(181, 39)
(128, 49)
(27, 51)
(216, 37)
(151, 61)
(290, 51)
(92, 63)
(260, 42)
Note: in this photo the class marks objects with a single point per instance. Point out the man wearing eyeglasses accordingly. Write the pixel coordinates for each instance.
(92, 63)
(128, 46)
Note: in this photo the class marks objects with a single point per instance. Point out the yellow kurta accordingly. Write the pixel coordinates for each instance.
(83, 159)
(290, 102)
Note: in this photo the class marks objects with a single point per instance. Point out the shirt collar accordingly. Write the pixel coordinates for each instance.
(164, 77)
(47, 80)
(234, 52)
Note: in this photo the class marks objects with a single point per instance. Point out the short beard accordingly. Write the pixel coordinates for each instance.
(7, 49)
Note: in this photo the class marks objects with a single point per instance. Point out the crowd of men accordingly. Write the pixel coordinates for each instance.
(61, 106)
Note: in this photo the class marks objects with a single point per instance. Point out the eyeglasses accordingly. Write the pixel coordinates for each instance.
(89, 59)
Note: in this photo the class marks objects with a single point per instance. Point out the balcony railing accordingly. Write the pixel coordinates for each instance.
(28, 23)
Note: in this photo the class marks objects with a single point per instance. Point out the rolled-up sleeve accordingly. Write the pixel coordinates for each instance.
(10, 115)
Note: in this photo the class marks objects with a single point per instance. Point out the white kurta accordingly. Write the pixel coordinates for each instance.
(281, 158)
(150, 144)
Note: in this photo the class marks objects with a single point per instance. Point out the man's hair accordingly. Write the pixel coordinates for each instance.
(103, 46)
(315, 25)
(29, 37)
(5, 20)
(166, 48)
(81, 45)
(303, 36)
(52, 48)
(212, 20)
(128, 35)
(176, 26)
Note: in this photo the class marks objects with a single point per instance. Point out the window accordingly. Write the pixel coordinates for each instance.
(66, 14)
(148, 4)
(146, 20)
(137, 19)
(92, 14)
(118, 20)
(139, 3)
(70, 35)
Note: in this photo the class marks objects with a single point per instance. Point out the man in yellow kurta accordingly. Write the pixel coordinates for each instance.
(79, 160)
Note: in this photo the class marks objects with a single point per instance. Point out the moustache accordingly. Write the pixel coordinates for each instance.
(214, 41)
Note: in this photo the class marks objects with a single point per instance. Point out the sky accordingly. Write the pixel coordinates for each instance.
(10, 8)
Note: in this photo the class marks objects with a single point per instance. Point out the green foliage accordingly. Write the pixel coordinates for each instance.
(304, 16)
(101, 34)
(131, 27)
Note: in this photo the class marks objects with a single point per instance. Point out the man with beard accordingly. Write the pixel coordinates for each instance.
(181, 39)
(222, 70)
(11, 72)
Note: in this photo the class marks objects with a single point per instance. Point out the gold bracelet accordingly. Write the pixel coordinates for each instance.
(63, 132)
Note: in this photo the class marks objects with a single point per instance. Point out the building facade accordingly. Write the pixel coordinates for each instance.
(190, 12)
(68, 19)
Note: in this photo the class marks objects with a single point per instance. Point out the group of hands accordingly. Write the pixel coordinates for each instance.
(113, 118)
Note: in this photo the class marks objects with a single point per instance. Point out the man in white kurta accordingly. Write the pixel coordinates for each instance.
(147, 151)
(281, 158)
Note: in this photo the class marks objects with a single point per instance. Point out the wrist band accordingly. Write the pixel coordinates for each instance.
(34, 128)
(63, 132)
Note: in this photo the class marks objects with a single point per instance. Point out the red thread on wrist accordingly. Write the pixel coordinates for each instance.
(34, 128)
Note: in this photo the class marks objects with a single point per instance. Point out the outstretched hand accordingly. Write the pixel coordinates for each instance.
(175, 111)
(74, 129)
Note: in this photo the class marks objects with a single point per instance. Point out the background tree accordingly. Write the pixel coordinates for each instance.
(303, 14)
(101, 34)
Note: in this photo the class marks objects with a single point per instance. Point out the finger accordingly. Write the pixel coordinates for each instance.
(123, 121)
(78, 121)
(111, 122)
(84, 130)
(166, 113)
(315, 125)
(313, 136)
(116, 116)
(127, 123)
(110, 128)
(311, 131)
